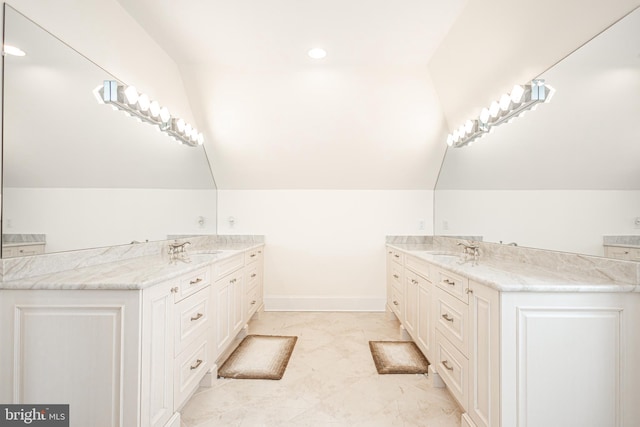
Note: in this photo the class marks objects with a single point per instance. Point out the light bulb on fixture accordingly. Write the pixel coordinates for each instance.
(164, 114)
(180, 124)
(131, 94)
(144, 102)
(505, 101)
(200, 139)
(154, 108)
(516, 94)
(494, 109)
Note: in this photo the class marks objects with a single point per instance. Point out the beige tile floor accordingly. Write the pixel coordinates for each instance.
(330, 381)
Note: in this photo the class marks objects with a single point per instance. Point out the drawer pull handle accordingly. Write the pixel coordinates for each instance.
(397, 256)
(252, 255)
(198, 363)
(390, 252)
(395, 303)
(449, 282)
(193, 282)
(199, 316)
(445, 363)
(259, 252)
(396, 276)
(415, 282)
(447, 318)
(174, 290)
(469, 290)
(253, 275)
(253, 302)
(233, 280)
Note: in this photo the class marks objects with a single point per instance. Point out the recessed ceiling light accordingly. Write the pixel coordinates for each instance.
(317, 53)
(12, 50)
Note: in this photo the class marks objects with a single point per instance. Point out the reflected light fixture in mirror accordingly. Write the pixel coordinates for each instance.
(521, 99)
(12, 50)
(141, 107)
(317, 53)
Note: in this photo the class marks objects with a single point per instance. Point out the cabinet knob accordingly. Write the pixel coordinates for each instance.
(396, 276)
(395, 303)
(253, 275)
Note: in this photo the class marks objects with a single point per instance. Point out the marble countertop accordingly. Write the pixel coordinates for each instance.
(622, 245)
(507, 276)
(14, 244)
(133, 273)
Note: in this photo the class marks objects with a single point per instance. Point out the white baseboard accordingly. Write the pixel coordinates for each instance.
(285, 303)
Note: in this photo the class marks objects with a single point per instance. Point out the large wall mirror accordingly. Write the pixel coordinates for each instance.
(76, 173)
(566, 175)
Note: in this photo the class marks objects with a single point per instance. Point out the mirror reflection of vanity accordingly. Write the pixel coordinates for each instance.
(565, 177)
(76, 173)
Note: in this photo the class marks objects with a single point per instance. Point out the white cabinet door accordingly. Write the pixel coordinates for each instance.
(73, 346)
(425, 325)
(222, 297)
(410, 303)
(237, 296)
(157, 354)
(484, 356)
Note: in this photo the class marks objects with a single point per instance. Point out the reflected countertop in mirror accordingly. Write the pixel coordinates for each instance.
(566, 175)
(81, 173)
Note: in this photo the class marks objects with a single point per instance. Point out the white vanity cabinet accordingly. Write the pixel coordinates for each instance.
(228, 301)
(628, 253)
(254, 299)
(531, 358)
(123, 357)
(395, 285)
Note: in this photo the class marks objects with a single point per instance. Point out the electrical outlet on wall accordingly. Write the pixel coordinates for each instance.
(445, 224)
(421, 224)
(636, 222)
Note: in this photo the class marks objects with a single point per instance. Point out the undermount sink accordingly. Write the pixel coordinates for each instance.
(443, 253)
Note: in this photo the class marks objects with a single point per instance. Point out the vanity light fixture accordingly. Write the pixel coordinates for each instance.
(521, 99)
(12, 50)
(134, 104)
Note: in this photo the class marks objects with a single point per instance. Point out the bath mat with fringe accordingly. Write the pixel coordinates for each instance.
(398, 357)
(263, 357)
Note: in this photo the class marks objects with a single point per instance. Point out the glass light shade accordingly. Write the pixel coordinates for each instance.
(154, 108)
(450, 140)
(468, 126)
(131, 94)
(516, 94)
(144, 102)
(180, 124)
(505, 101)
(164, 114)
(494, 109)
(484, 115)
(187, 129)
(200, 139)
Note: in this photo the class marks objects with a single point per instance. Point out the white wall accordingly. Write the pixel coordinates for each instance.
(75, 218)
(320, 126)
(572, 221)
(325, 248)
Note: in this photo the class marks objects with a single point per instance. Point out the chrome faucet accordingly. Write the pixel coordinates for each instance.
(178, 252)
(470, 249)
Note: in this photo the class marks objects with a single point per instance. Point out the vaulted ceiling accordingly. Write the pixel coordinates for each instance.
(373, 114)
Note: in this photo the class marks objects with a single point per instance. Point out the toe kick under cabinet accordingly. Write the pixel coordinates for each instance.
(121, 358)
(525, 359)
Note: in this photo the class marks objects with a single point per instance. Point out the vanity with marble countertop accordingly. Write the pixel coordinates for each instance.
(523, 336)
(142, 326)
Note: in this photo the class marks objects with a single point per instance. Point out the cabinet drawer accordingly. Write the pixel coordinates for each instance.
(453, 320)
(396, 275)
(228, 265)
(396, 256)
(396, 302)
(192, 317)
(191, 283)
(253, 255)
(453, 368)
(253, 276)
(418, 266)
(454, 285)
(253, 302)
(189, 368)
